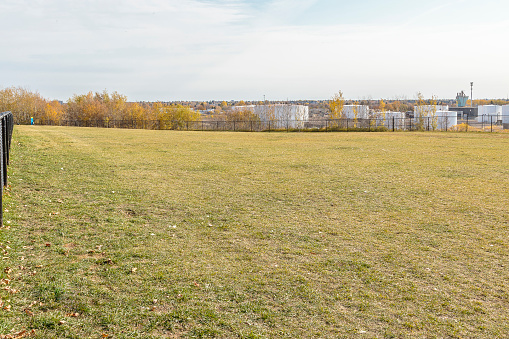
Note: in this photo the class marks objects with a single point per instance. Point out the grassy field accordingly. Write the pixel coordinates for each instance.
(159, 234)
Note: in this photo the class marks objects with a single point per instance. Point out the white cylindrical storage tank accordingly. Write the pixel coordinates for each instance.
(280, 115)
(434, 117)
(489, 113)
(446, 119)
(394, 120)
(355, 112)
(291, 116)
(505, 116)
(429, 110)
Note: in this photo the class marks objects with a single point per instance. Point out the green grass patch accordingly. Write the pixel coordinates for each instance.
(164, 234)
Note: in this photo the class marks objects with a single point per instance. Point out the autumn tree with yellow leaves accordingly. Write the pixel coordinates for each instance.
(174, 116)
(23, 104)
(336, 104)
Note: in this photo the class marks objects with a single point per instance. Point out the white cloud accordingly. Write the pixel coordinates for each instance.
(194, 49)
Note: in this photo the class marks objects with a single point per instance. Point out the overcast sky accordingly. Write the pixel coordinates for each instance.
(243, 49)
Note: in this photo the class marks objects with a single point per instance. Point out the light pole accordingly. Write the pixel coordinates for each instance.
(471, 96)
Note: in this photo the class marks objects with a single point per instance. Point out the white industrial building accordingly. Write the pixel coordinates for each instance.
(279, 115)
(489, 113)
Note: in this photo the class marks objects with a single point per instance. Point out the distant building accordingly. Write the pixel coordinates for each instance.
(461, 99)
(464, 112)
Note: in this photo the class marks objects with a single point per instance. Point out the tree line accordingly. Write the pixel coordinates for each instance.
(104, 106)
(25, 105)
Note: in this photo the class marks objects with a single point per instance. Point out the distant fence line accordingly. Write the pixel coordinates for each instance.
(6, 127)
(490, 124)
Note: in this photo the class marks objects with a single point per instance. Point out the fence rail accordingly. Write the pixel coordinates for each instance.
(6, 125)
(441, 123)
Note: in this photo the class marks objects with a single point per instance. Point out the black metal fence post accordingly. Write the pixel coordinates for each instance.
(6, 125)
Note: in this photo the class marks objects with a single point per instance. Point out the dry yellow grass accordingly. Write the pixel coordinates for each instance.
(151, 234)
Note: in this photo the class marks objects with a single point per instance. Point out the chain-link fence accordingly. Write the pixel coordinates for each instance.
(390, 123)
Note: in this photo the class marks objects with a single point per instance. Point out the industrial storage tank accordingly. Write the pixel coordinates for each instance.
(505, 116)
(489, 113)
(434, 117)
(446, 120)
(280, 115)
(355, 112)
(394, 120)
(429, 110)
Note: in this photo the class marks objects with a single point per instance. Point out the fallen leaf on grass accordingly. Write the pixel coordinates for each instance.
(7, 270)
(30, 313)
(19, 335)
(10, 290)
(74, 315)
